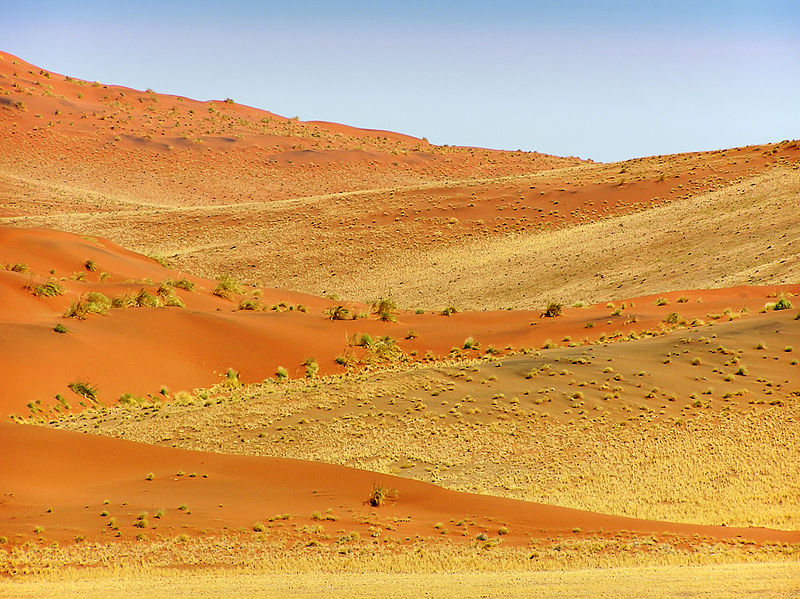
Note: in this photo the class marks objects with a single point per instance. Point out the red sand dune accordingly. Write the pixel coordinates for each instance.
(139, 350)
(73, 475)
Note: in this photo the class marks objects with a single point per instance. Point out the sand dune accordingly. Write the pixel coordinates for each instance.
(73, 475)
(141, 350)
(650, 419)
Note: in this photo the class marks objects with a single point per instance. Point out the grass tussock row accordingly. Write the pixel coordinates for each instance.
(262, 552)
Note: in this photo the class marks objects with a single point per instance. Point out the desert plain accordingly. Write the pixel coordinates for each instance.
(243, 353)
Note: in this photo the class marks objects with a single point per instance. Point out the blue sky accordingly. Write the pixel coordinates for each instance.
(601, 80)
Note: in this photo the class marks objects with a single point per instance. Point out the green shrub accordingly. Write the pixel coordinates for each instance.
(90, 265)
(363, 340)
(782, 304)
(60, 328)
(282, 374)
(448, 311)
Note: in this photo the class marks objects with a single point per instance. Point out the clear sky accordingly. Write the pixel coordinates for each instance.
(602, 80)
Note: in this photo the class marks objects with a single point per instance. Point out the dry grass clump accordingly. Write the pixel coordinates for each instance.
(385, 308)
(19, 267)
(249, 305)
(312, 368)
(93, 303)
(339, 313)
(84, 389)
(380, 494)
(184, 284)
(226, 286)
(552, 309)
(145, 299)
(782, 303)
(50, 288)
(169, 298)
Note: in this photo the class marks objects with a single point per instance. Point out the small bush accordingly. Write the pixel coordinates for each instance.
(249, 304)
(86, 390)
(162, 260)
(90, 265)
(259, 527)
(282, 374)
(50, 288)
(123, 301)
(312, 368)
(552, 309)
(184, 284)
(363, 340)
(226, 285)
(469, 343)
(93, 303)
(782, 304)
(662, 301)
(338, 313)
(385, 308)
(145, 299)
(60, 328)
(449, 311)
(380, 494)
(166, 292)
(672, 318)
(18, 267)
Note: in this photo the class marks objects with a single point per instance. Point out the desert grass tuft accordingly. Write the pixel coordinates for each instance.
(380, 494)
(226, 286)
(50, 288)
(18, 267)
(552, 309)
(338, 313)
(84, 389)
(94, 303)
(385, 308)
